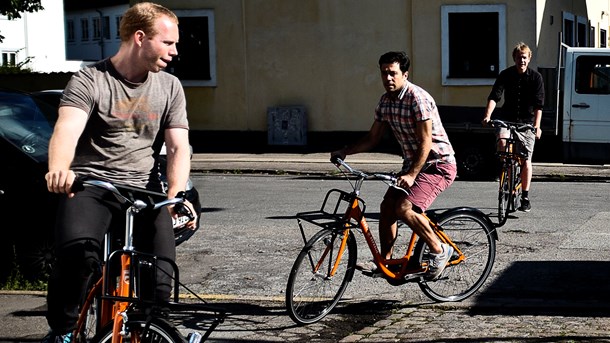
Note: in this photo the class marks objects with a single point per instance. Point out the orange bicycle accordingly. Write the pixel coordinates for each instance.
(113, 310)
(326, 264)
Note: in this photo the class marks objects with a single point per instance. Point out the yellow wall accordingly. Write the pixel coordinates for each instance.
(323, 55)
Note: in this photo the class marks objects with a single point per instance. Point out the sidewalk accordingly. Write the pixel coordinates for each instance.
(318, 163)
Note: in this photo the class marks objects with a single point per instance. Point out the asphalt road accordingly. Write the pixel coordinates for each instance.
(548, 284)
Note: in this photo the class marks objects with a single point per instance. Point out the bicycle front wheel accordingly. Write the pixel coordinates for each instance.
(141, 330)
(517, 186)
(90, 312)
(504, 196)
(320, 275)
(472, 261)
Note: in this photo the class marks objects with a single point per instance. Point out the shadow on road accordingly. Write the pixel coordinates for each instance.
(562, 288)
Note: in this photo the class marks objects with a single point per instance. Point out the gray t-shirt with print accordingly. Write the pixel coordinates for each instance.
(124, 131)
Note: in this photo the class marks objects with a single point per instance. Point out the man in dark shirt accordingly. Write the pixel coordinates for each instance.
(523, 91)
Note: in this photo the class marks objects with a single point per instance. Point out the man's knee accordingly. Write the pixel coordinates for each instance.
(82, 258)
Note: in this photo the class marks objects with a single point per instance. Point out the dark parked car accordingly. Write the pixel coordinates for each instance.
(27, 209)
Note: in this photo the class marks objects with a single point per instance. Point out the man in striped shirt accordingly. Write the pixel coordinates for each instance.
(429, 164)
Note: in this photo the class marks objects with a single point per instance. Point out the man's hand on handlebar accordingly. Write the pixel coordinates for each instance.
(187, 209)
(486, 121)
(60, 181)
(405, 181)
(339, 154)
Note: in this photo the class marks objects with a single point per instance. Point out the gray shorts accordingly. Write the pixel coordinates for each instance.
(525, 141)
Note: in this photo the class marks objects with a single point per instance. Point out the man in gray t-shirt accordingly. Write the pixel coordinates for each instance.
(113, 119)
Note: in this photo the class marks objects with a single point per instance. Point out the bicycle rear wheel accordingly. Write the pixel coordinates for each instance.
(504, 195)
(320, 275)
(469, 267)
(155, 330)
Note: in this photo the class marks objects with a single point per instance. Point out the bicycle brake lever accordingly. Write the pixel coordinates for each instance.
(184, 210)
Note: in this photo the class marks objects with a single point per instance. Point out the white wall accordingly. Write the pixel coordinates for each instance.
(40, 36)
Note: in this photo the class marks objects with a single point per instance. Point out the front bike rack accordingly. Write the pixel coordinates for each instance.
(139, 261)
(329, 215)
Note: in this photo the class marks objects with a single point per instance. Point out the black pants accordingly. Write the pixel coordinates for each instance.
(82, 222)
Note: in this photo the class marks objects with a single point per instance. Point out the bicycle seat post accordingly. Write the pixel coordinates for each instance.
(136, 207)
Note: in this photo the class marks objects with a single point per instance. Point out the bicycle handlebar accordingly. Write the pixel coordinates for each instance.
(519, 127)
(178, 201)
(388, 178)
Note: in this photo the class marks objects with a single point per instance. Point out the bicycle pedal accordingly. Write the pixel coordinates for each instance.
(373, 274)
(411, 277)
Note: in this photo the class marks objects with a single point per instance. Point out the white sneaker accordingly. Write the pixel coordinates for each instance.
(438, 262)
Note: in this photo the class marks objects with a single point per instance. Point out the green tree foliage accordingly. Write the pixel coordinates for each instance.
(12, 9)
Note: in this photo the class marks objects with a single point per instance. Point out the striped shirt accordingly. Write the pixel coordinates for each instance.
(413, 105)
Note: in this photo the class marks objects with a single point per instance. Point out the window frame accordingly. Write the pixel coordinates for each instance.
(500, 9)
(212, 82)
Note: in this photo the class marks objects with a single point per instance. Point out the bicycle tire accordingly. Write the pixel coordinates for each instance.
(472, 233)
(311, 294)
(504, 195)
(517, 187)
(155, 330)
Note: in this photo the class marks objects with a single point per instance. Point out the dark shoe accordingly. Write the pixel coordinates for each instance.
(438, 262)
(525, 205)
(53, 338)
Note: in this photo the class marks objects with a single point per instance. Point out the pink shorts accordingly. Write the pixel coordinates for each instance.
(429, 183)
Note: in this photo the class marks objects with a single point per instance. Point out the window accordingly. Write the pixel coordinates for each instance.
(582, 30)
(70, 30)
(9, 58)
(117, 21)
(84, 29)
(97, 28)
(593, 75)
(466, 26)
(195, 64)
(603, 38)
(106, 27)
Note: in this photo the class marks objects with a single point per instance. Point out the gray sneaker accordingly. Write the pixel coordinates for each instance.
(367, 267)
(438, 262)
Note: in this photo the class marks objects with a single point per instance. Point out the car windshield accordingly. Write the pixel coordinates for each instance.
(26, 123)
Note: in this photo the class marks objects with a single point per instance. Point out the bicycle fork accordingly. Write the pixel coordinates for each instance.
(124, 288)
(119, 309)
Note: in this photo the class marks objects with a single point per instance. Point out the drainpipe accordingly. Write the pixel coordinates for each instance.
(26, 36)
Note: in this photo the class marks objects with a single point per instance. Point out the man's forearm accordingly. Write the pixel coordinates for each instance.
(178, 170)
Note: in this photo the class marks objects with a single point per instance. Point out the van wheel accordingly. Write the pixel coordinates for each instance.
(473, 163)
